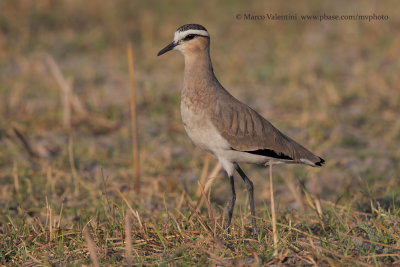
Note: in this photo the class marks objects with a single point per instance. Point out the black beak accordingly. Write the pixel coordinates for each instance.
(166, 49)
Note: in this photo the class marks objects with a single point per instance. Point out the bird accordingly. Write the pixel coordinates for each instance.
(220, 124)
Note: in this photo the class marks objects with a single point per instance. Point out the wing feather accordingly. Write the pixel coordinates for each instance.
(247, 131)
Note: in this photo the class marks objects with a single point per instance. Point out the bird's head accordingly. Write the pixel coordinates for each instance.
(189, 38)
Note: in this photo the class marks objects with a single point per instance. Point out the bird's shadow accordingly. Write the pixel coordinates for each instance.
(388, 203)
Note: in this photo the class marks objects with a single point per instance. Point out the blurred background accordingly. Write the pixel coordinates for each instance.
(333, 86)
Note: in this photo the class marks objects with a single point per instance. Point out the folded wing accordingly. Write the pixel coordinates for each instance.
(247, 131)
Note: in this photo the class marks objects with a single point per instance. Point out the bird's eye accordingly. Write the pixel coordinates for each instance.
(189, 37)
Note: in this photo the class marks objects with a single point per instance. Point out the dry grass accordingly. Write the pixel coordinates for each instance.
(66, 190)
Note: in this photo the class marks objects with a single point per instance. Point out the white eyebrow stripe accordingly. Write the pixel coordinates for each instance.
(180, 35)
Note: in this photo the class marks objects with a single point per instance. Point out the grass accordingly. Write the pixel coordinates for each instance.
(67, 188)
(181, 235)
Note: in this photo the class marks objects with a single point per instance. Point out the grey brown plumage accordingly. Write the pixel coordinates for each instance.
(247, 131)
(222, 125)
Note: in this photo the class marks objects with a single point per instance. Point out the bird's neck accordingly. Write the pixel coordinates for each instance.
(198, 70)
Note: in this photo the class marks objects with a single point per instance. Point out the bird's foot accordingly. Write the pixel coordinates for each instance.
(255, 235)
(255, 232)
(228, 228)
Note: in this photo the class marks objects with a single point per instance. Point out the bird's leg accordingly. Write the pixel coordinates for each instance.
(249, 186)
(231, 201)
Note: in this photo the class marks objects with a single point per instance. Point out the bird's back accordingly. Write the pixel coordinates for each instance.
(247, 131)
